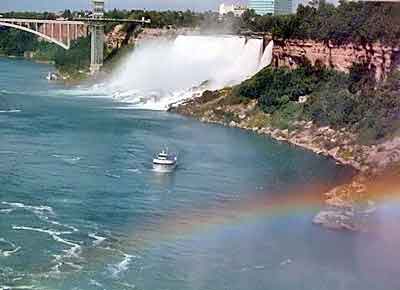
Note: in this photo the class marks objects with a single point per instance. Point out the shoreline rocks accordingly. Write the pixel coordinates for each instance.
(342, 211)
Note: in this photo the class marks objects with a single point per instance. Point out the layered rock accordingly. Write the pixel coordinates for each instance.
(119, 36)
(380, 58)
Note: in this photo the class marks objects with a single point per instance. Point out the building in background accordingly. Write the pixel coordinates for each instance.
(271, 7)
(236, 9)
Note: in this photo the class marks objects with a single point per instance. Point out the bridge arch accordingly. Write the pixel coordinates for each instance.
(53, 40)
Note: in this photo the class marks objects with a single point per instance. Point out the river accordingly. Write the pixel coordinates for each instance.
(80, 207)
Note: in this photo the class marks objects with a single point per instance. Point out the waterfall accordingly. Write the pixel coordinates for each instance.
(266, 59)
(245, 66)
(159, 73)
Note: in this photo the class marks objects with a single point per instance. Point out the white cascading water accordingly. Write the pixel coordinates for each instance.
(158, 74)
(266, 59)
(244, 67)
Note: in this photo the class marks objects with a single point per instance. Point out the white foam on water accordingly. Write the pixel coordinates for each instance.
(76, 267)
(115, 176)
(54, 234)
(72, 228)
(95, 283)
(47, 214)
(40, 211)
(158, 101)
(97, 239)
(117, 269)
(6, 210)
(8, 252)
(68, 159)
(127, 285)
(73, 251)
(5, 287)
(8, 152)
(79, 92)
(10, 111)
(44, 213)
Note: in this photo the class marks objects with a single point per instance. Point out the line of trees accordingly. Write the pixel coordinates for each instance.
(360, 21)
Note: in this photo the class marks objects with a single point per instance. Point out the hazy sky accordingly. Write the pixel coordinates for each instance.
(55, 5)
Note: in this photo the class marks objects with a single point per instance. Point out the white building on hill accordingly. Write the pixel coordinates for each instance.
(236, 9)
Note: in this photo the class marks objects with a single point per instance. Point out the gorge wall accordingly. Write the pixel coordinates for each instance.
(381, 58)
(119, 37)
(291, 52)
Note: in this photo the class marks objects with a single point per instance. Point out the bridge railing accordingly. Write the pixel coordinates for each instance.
(41, 21)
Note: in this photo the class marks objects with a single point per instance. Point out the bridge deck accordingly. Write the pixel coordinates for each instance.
(40, 21)
(79, 21)
(143, 21)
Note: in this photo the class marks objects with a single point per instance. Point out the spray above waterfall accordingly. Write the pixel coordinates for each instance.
(160, 73)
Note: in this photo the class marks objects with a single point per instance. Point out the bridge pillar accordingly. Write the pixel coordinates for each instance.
(97, 30)
(97, 47)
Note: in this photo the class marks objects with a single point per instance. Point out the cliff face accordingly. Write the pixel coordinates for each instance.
(117, 37)
(381, 58)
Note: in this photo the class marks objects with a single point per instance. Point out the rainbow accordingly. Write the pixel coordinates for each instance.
(233, 214)
(299, 202)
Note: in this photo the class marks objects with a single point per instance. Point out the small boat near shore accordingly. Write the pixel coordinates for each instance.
(51, 76)
(165, 161)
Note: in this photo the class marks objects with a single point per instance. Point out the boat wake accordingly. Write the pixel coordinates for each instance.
(68, 159)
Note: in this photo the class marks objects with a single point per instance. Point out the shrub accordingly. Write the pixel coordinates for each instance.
(336, 108)
(361, 77)
(288, 113)
(276, 87)
(259, 119)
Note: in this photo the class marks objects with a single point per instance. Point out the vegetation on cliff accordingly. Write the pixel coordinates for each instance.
(329, 98)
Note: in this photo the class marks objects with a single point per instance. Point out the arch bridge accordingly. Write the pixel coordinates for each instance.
(59, 32)
(62, 32)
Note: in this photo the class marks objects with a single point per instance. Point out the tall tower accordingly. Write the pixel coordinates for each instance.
(97, 30)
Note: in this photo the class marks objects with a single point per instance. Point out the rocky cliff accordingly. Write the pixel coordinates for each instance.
(380, 58)
(119, 36)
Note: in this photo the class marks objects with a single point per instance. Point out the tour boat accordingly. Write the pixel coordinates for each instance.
(52, 76)
(165, 162)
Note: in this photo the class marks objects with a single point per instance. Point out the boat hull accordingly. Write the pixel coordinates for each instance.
(164, 167)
